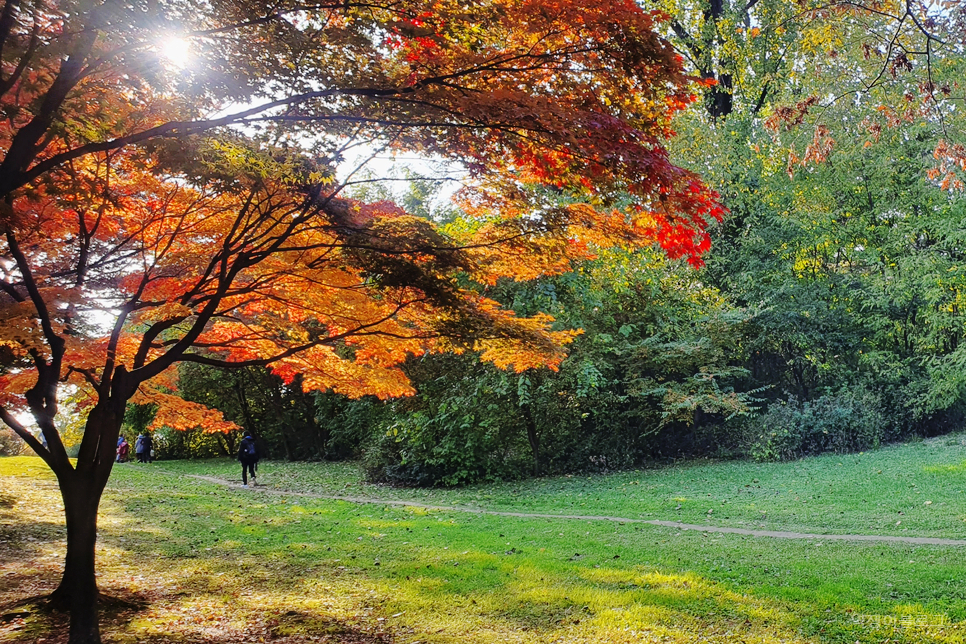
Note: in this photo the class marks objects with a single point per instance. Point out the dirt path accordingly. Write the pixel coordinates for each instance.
(933, 541)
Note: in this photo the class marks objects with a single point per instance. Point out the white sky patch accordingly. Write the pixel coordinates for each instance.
(395, 172)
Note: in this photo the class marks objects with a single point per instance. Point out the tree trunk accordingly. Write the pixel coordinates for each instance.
(78, 587)
(81, 489)
(533, 436)
(720, 101)
(243, 401)
(284, 426)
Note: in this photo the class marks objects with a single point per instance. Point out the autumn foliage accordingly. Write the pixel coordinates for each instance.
(154, 213)
(272, 265)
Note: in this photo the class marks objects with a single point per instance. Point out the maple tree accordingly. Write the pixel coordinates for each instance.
(155, 214)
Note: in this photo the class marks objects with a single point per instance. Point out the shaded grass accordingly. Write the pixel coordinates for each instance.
(231, 565)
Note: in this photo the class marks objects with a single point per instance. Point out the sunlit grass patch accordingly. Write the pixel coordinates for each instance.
(953, 468)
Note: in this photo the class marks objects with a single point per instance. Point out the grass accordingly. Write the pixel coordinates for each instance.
(211, 563)
(910, 490)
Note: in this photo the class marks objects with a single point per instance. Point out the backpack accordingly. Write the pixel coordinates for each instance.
(247, 450)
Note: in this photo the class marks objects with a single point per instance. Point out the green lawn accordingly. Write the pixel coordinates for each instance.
(911, 490)
(218, 564)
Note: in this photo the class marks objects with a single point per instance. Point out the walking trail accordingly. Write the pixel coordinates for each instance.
(933, 541)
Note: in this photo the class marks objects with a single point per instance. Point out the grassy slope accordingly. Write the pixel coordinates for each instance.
(219, 564)
(913, 490)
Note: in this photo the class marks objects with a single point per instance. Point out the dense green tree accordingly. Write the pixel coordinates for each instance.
(659, 360)
(288, 422)
(848, 249)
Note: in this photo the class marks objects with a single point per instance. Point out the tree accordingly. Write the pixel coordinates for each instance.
(759, 53)
(842, 130)
(281, 416)
(153, 214)
(657, 364)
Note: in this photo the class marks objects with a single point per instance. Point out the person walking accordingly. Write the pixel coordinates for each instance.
(248, 455)
(142, 447)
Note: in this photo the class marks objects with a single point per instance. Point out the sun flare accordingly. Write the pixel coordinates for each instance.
(176, 52)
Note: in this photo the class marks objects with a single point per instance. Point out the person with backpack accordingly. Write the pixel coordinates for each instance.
(248, 455)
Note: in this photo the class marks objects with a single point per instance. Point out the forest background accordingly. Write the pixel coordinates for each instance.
(825, 317)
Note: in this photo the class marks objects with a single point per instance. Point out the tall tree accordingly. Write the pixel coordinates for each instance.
(148, 219)
(659, 356)
(759, 53)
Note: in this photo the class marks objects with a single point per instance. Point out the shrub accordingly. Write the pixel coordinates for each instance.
(194, 443)
(844, 421)
(452, 447)
(350, 425)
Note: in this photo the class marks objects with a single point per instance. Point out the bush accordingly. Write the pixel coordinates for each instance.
(845, 421)
(193, 443)
(452, 447)
(348, 424)
(715, 437)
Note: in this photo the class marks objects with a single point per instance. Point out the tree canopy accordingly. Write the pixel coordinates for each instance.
(203, 185)
(154, 213)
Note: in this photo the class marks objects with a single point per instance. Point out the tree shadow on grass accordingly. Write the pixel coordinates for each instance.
(220, 568)
(30, 620)
(35, 618)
